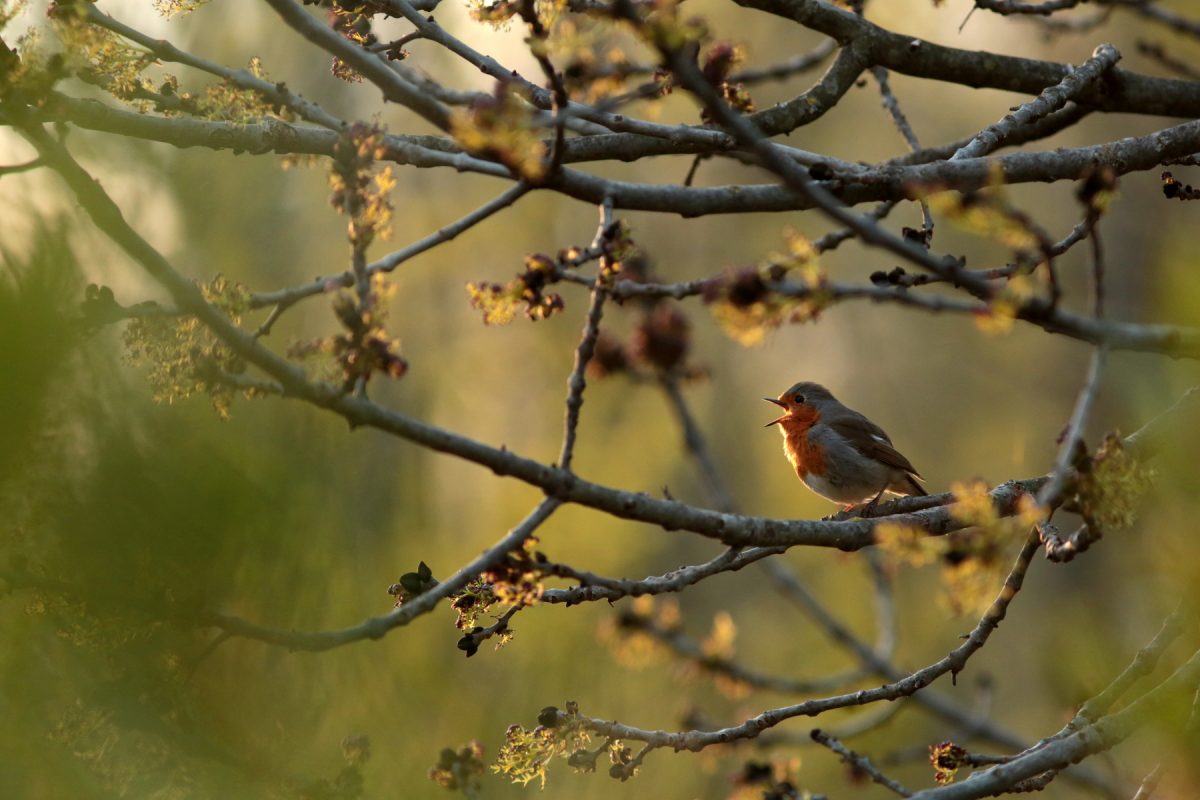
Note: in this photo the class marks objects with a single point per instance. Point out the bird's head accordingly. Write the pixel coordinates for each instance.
(801, 404)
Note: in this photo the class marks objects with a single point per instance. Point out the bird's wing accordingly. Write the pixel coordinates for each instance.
(869, 439)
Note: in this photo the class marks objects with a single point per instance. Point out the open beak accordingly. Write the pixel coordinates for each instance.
(779, 403)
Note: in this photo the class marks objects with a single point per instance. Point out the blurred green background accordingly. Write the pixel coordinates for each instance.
(120, 518)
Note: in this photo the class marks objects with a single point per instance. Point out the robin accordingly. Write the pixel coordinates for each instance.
(838, 453)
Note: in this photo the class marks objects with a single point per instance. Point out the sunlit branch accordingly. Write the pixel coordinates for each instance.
(853, 726)
(817, 101)
(835, 238)
(471, 641)
(268, 135)
(554, 79)
(241, 383)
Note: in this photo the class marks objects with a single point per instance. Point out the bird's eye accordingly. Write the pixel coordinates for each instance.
(799, 399)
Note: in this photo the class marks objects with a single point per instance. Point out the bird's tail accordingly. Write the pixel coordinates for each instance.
(917, 489)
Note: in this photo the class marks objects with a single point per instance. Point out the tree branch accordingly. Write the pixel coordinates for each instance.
(395, 88)
(1050, 100)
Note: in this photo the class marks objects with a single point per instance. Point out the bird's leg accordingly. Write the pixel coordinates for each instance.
(869, 508)
(852, 510)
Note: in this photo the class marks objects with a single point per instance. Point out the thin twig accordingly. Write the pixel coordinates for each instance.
(471, 641)
(537, 46)
(902, 124)
(693, 442)
(162, 49)
(692, 651)
(859, 762)
(1175, 22)
(1158, 704)
(778, 72)
(1051, 494)
(1006, 7)
(370, 65)
(597, 587)
(389, 262)
(905, 687)
(1097, 272)
(1144, 662)
(1146, 789)
(14, 169)
(377, 627)
(577, 381)
(1159, 53)
(1050, 100)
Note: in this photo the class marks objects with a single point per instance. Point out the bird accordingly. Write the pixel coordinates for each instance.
(837, 452)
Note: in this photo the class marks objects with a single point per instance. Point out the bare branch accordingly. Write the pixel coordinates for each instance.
(801, 63)
(693, 442)
(1145, 661)
(14, 169)
(368, 64)
(275, 92)
(1050, 100)
(689, 649)
(596, 587)
(910, 55)
(902, 124)
(1051, 493)
(1162, 702)
(377, 627)
(287, 297)
(1149, 784)
(1006, 7)
(859, 762)
(953, 662)
(577, 382)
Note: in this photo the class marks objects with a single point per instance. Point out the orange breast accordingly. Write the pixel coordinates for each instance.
(804, 457)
